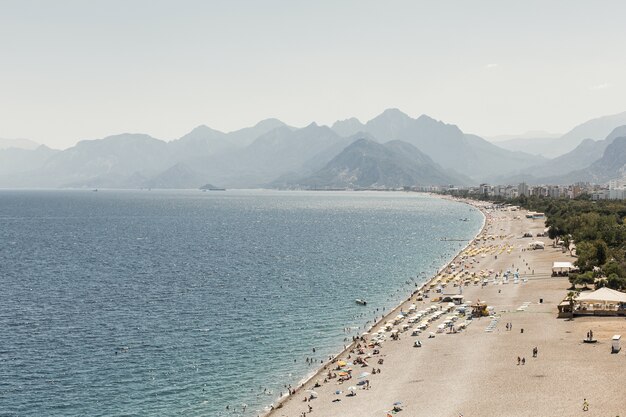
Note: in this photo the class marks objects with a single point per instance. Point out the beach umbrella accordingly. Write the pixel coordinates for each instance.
(364, 375)
(353, 388)
(338, 392)
(313, 393)
(342, 363)
(397, 403)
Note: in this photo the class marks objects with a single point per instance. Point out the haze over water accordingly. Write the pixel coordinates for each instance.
(183, 302)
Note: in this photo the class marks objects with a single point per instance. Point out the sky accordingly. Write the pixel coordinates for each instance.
(74, 70)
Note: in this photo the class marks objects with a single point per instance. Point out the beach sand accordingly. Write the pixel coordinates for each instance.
(474, 372)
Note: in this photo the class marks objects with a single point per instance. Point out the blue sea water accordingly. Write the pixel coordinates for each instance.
(156, 303)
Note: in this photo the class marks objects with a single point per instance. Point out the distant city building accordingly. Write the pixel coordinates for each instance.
(522, 189)
(616, 190)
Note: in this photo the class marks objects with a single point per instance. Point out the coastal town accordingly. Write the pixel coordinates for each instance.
(613, 190)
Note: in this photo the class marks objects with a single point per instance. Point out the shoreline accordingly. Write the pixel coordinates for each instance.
(278, 404)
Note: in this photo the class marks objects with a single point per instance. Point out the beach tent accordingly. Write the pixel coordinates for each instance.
(603, 295)
(561, 267)
(604, 301)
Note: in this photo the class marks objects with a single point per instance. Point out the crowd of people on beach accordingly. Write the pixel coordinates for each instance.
(362, 350)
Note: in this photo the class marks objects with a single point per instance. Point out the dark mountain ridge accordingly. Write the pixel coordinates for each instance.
(366, 163)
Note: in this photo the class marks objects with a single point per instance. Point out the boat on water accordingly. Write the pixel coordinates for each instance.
(362, 302)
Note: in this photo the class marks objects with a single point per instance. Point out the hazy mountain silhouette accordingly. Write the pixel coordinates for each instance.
(117, 156)
(244, 137)
(595, 129)
(366, 163)
(18, 144)
(446, 144)
(276, 153)
(272, 153)
(539, 145)
(206, 141)
(348, 127)
(15, 162)
(177, 176)
(585, 154)
(202, 140)
(611, 166)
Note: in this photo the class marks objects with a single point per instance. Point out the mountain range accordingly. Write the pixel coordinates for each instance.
(446, 144)
(561, 169)
(366, 163)
(551, 147)
(392, 149)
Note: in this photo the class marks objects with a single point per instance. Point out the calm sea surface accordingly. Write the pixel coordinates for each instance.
(155, 303)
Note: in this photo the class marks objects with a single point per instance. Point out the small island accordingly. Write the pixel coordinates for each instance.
(210, 187)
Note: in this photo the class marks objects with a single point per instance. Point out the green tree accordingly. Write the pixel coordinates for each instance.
(602, 251)
(586, 252)
(571, 296)
(585, 279)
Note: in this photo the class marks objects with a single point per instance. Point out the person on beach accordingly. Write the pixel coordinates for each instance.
(523, 361)
(519, 360)
(585, 405)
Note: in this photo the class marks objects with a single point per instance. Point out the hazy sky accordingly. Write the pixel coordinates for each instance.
(72, 70)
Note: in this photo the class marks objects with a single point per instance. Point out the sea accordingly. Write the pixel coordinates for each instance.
(190, 303)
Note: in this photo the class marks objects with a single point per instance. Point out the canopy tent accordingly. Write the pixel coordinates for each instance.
(562, 267)
(603, 301)
(603, 295)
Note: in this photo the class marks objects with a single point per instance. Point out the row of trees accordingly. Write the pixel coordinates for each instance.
(598, 229)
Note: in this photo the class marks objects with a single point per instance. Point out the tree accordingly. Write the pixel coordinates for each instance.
(573, 279)
(601, 251)
(612, 267)
(566, 242)
(585, 279)
(615, 282)
(586, 252)
(571, 296)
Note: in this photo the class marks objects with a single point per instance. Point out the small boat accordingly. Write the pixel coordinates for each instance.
(362, 302)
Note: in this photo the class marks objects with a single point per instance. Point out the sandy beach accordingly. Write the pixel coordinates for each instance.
(475, 372)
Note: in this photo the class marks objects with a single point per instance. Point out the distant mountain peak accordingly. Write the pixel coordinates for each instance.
(616, 133)
(348, 120)
(394, 111)
(367, 163)
(202, 131)
(269, 124)
(425, 119)
(393, 114)
(123, 138)
(203, 128)
(348, 127)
